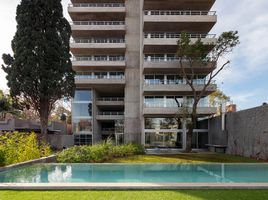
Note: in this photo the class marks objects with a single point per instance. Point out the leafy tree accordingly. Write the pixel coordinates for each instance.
(5, 105)
(40, 70)
(217, 99)
(197, 55)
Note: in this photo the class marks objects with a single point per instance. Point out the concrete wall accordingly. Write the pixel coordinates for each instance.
(58, 141)
(246, 132)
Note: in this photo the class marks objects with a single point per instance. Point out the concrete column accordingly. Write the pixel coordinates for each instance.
(133, 71)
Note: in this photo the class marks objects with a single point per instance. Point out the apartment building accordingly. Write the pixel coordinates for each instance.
(127, 72)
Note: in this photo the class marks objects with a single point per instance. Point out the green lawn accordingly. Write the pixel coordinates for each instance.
(132, 195)
(185, 158)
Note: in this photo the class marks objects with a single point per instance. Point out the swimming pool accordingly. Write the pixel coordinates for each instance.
(137, 173)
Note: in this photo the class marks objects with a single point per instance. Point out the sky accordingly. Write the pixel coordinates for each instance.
(245, 80)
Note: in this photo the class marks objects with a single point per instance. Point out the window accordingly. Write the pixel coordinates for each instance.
(83, 140)
(82, 126)
(82, 95)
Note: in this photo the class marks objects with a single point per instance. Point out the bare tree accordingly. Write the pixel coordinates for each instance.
(194, 56)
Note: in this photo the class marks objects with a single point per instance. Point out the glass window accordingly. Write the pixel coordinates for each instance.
(82, 126)
(83, 140)
(83, 95)
(81, 110)
(161, 123)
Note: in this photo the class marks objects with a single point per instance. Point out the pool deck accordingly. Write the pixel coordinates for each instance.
(129, 186)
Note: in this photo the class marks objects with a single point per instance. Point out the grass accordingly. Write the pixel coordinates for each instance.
(185, 158)
(133, 195)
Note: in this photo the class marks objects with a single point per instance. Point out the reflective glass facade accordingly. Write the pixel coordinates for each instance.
(82, 112)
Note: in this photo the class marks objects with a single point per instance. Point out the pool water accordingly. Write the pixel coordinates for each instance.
(139, 173)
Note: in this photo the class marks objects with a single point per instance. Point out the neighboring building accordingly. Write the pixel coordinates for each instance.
(20, 125)
(127, 72)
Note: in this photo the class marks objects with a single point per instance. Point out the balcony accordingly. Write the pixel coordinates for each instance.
(99, 78)
(97, 11)
(110, 101)
(82, 29)
(176, 87)
(179, 20)
(183, 5)
(167, 42)
(98, 46)
(106, 62)
(108, 116)
(167, 112)
(169, 63)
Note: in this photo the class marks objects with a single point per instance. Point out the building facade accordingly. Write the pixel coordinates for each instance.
(127, 73)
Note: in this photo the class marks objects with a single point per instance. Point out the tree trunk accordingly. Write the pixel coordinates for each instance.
(190, 131)
(44, 114)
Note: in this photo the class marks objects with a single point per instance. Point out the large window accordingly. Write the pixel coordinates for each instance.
(162, 123)
(83, 95)
(82, 112)
(83, 140)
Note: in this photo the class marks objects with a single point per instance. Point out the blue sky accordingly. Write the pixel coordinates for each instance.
(245, 81)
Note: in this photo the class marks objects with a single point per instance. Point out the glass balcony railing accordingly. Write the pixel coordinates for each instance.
(177, 35)
(99, 23)
(97, 5)
(179, 12)
(99, 58)
(168, 102)
(111, 113)
(176, 82)
(160, 58)
(111, 99)
(97, 40)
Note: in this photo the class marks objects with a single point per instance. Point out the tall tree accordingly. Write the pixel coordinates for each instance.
(218, 99)
(197, 55)
(40, 70)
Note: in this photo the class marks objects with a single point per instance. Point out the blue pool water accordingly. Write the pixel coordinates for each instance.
(161, 173)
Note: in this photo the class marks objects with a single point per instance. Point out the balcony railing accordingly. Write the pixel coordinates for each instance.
(99, 23)
(166, 102)
(111, 99)
(99, 58)
(98, 40)
(160, 58)
(177, 35)
(179, 12)
(115, 77)
(111, 113)
(97, 5)
(177, 82)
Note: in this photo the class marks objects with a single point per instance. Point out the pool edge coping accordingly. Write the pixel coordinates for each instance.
(130, 186)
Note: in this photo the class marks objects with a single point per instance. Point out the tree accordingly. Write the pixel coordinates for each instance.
(5, 105)
(218, 99)
(197, 55)
(40, 70)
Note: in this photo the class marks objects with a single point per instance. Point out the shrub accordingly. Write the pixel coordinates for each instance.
(19, 147)
(98, 153)
(2, 156)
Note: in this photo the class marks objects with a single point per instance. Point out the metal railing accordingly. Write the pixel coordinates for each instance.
(111, 99)
(179, 12)
(101, 23)
(177, 35)
(176, 82)
(111, 113)
(97, 5)
(160, 58)
(119, 77)
(99, 58)
(98, 40)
